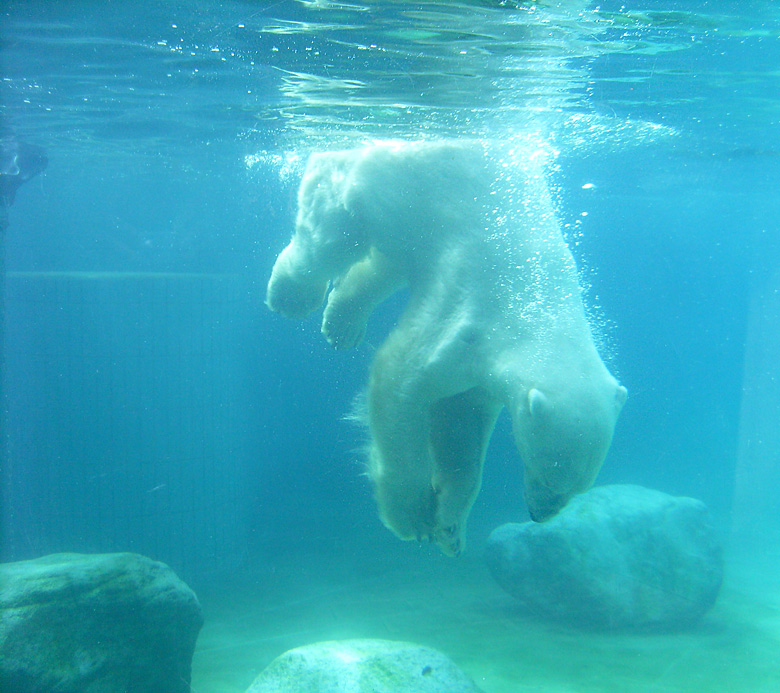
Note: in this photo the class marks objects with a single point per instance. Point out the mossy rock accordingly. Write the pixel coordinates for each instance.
(362, 666)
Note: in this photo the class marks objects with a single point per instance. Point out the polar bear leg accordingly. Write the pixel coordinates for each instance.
(326, 243)
(351, 302)
(461, 427)
(400, 461)
(296, 287)
(427, 360)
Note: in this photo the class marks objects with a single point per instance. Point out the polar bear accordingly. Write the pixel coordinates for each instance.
(494, 319)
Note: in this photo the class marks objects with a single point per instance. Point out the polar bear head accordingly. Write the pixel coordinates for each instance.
(563, 435)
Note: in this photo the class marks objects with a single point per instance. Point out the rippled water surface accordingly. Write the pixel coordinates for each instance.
(166, 75)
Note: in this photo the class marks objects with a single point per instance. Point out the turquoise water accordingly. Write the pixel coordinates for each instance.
(155, 405)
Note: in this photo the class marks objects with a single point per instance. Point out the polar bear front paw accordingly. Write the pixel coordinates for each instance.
(343, 328)
(294, 296)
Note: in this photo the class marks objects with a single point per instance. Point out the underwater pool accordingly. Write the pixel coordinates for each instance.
(154, 167)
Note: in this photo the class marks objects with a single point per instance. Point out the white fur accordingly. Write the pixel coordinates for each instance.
(495, 318)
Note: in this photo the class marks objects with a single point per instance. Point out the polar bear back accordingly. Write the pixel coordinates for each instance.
(428, 205)
(414, 197)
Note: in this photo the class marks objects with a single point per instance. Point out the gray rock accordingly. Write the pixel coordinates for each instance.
(616, 556)
(109, 623)
(362, 666)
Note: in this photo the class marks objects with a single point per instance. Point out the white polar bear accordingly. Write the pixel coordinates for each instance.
(494, 319)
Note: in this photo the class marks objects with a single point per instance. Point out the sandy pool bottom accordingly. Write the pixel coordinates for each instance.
(455, 607)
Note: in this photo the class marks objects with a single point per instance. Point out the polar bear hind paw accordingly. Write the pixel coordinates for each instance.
(449, 540)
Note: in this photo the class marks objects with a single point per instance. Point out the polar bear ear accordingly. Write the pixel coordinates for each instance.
(538, 403)
(620, 396)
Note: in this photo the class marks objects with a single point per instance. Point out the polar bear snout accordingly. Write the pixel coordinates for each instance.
(546, 513)
(542, 503)
(552, 478)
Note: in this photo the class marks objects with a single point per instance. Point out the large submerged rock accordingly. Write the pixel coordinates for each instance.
(362, 666)
(112, 623)
(616, 556)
